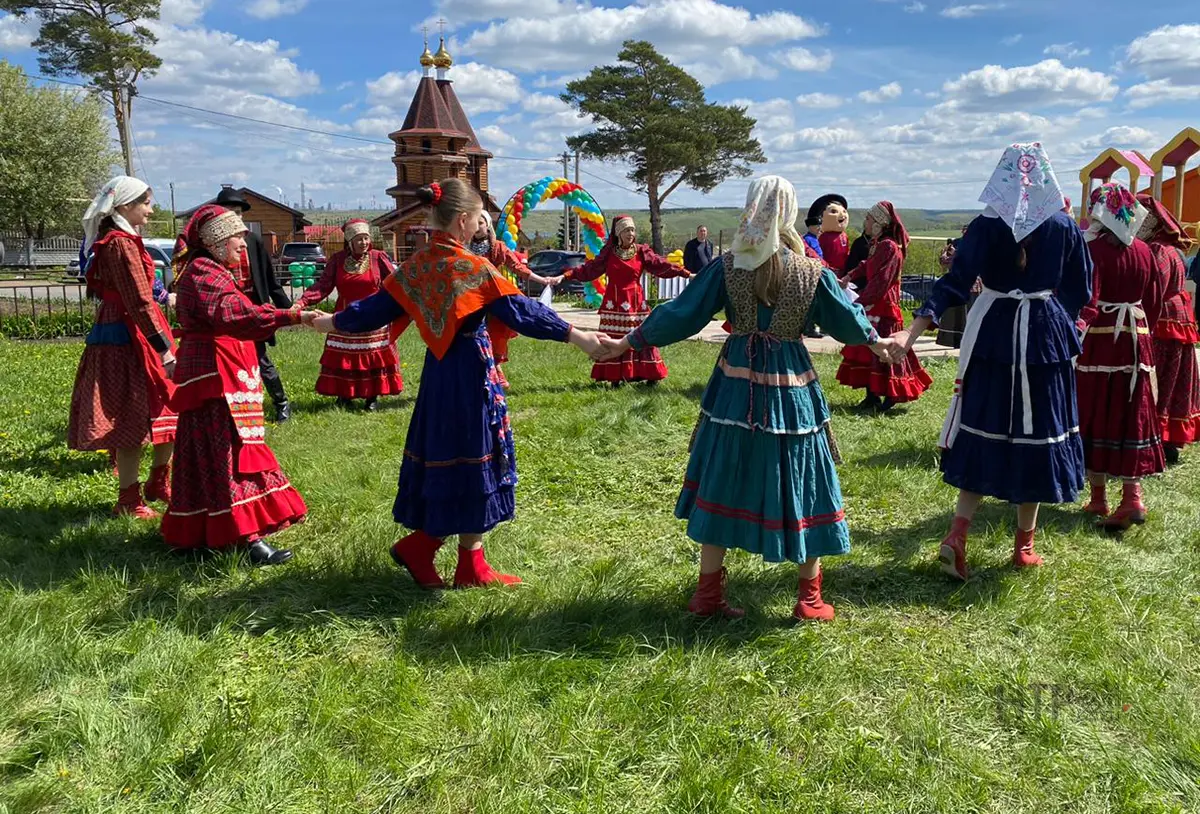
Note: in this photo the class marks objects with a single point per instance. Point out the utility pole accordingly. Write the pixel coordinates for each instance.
(302, 198)
(125, 94)
(566, 230)
(578, 236)
(174, 226)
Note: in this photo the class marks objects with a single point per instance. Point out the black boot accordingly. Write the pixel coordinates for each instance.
(871, 402)
(262, 553)
(283, 411)
(1171, 453)
(273, 385)
(371, 404)
(343, 404)
(886, 405)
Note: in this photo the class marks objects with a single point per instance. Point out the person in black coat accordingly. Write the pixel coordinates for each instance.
(264, 288)
(698, 252)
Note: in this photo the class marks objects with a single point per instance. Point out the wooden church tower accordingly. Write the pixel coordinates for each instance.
(436, 141)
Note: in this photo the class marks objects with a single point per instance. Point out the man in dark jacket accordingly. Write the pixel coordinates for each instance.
(264, 287)
(698, 252)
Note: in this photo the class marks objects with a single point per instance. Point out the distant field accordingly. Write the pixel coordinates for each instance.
(680, 224)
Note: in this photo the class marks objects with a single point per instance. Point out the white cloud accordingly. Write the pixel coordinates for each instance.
(810, 138)
(884, 93)
(182, 12)
(1047, 83)
(1012, 39)
(802, 59)
(1121, 137)
(1066, 50)
(194, 58)
(915, 8)
(770, 115)
(493, 135)
(1160, 91)
(460, 12)
(270, 9)
(1171, 52)
(480, 88)
(687, 31)
(819, 101)
(971, 10)
(731, 65)
(17, 34)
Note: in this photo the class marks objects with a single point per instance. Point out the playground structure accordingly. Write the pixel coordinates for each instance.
(1180, 197)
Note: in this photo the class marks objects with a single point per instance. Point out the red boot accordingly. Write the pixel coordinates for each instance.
(1131, 511)
(809, 605)
(129, 502)
(415, 554)
(709, 598)
(1023, 554)
(473, 571)
(158, 486)
(953, 552)
(1099, 502)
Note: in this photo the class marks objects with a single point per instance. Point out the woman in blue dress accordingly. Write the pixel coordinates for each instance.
(459, 471)
(761, 475)
(1012, 431)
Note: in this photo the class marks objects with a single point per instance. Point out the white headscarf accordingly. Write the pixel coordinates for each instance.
(1023, 191)
(768, 222)
(119, 191)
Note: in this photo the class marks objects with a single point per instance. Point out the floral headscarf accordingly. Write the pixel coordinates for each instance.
(1114, 208)
(1160, 226)
(892, 228)
(1023, 191)
(768, 222)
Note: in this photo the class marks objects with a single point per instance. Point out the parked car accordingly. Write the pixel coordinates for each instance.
(551, 263)
(161, 251)
(300, 253)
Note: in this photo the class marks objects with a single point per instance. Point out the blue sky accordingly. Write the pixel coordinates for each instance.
(907, 100)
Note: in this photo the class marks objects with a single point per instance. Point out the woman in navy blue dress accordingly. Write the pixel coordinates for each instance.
(459, 471)
(1012, 431)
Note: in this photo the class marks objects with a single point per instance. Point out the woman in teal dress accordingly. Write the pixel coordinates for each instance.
(761, 476)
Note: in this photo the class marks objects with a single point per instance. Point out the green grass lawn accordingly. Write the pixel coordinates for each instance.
(133, 680)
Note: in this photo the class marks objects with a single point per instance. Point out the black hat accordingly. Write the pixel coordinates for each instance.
(817, 210)
(228, 196)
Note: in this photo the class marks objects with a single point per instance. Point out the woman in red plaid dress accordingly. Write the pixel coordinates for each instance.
(1175, 334)
(123, 387)
(356, 366)
(227, 490)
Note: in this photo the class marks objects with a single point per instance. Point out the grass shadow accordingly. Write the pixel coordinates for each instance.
(53, 461)
(908, 456)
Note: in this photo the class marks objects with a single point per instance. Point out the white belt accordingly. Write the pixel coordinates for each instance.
(975, 316)
(1128, 313)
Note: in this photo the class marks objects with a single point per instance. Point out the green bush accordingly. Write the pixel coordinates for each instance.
(49, 326)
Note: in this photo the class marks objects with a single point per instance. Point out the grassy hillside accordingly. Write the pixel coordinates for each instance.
(680, 224)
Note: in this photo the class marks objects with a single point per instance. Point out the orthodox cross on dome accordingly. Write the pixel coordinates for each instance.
(442, 59)
(426, 56)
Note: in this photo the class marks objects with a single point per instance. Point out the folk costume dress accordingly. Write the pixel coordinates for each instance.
(355, 366)
(1013, 428)
(122, 393)
(624, 307)
(860, 368)
(459, 470)
(1174, 334)
(227, 486)
(1118, 414)
(761, 473)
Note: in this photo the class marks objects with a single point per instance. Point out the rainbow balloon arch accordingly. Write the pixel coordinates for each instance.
(591, 219)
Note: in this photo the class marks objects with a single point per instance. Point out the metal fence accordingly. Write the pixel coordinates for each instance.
(17, 251)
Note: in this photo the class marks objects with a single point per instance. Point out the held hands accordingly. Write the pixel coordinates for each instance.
(612, 348)
(588, 342)
(322, 323)
(554, 282)
(168, 362)
(889, 350)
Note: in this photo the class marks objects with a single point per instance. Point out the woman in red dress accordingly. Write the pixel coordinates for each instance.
(886, 385)
(484, 244)
(1118, 419)
(624, 308)
(356, 366)
(227, 490)
(1175, 334)
(123, 388)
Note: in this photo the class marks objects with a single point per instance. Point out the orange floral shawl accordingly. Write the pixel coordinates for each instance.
(440, 286)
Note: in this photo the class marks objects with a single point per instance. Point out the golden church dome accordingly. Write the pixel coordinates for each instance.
(442, 58)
